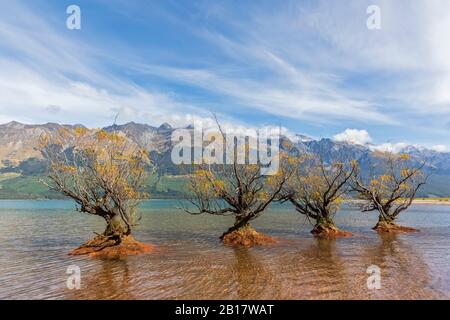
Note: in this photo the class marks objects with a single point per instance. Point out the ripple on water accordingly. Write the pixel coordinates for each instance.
(191, 263)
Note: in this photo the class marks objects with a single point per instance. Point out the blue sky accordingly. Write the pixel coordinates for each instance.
(312, 67)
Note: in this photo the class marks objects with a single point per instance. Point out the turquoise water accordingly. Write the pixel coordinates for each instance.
(191, 263)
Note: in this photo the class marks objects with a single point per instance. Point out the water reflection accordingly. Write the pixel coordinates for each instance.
(333, 269)
(111, 279)
(404, 273)
(316, 270)
(253, 275)
(193, 264)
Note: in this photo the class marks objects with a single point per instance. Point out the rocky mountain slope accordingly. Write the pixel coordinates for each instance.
(19, 151)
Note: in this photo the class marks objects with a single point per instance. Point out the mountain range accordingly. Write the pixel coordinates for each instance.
(21, 164)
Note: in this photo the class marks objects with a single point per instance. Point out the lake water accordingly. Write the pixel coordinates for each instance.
(191, 263)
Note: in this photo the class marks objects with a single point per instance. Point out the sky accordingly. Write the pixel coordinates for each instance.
(311, 67)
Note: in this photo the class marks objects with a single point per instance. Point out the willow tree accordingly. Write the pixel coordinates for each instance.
(316, 190)
(103, 173)
(390, 188)
(237, 190)
(239, 187)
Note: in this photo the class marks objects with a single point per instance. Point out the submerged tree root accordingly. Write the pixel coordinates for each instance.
(390, 227)
(112, 247)
(329, 231)
(247, 236)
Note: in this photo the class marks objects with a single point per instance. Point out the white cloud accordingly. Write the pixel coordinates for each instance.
(406, 147)
(309, 62)
(440, 148)
(50, 78)
(231, 127)
(289, 91)
(418, 65)
(389, 147)
(356, 136)
(25, 92)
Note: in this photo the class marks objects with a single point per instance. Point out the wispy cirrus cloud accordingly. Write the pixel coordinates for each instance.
(42, 67)
(312, 65)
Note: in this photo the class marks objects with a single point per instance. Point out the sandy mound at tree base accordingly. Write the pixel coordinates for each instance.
(389, 227)
(329, 231)
(100, 247)
(247, 236)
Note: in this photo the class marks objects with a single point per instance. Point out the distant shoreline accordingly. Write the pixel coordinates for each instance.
(430, 201)
(441, 201)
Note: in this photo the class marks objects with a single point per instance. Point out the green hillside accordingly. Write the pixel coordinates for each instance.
(16, 186)
(24, 187)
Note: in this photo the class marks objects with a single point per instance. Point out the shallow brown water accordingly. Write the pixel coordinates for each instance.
(191, 263)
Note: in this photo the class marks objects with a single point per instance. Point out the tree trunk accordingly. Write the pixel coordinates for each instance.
(115, 241)
(116, 228)
(325, 227)
(386, 223)
(323, 224)
(243, 234)
(238, 224)
(385, 218)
